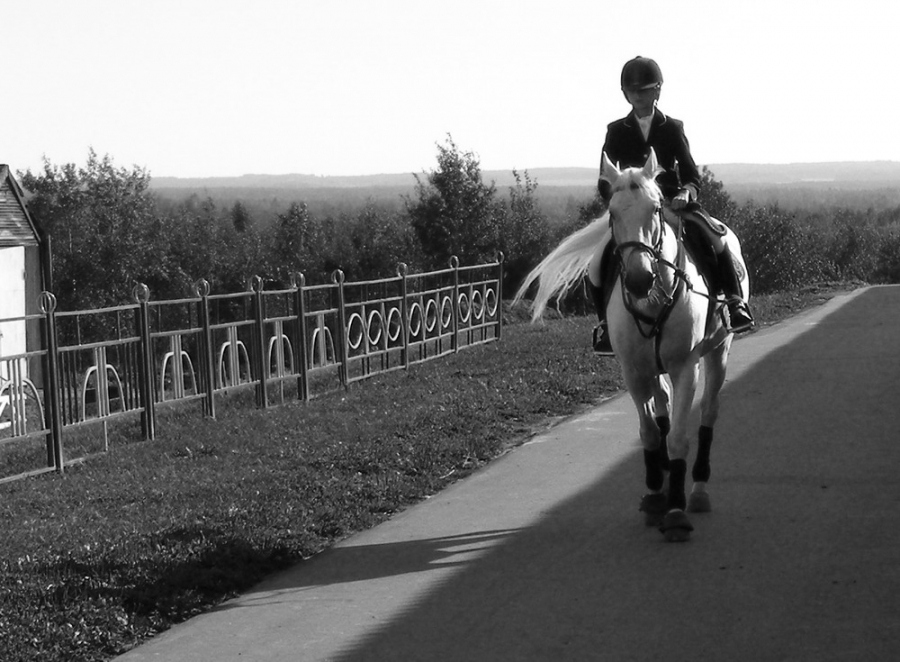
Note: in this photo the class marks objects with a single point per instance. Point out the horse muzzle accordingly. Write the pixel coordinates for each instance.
(639, 275)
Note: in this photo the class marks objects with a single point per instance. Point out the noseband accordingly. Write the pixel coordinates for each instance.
(655, 251)
(625, 251)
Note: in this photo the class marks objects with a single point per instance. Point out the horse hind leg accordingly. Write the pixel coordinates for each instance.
(699, 500)
(715, 363)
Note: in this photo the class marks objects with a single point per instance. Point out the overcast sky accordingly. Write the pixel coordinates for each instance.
(351, 87)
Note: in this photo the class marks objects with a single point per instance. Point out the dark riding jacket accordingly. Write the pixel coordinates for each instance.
(625, 145)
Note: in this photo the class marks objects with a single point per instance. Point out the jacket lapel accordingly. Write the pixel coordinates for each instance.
(659, 118)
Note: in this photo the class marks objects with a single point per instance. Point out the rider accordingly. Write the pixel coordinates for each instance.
(628, 143)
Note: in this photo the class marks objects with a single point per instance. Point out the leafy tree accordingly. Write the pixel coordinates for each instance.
(379, 241)
(714, 198)
(105, 230)
(295, 241)
(524, 233)
(455, 212)
(240, 217)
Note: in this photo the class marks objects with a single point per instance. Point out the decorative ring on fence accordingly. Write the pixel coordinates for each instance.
(337, 277)
(477, 305)
(374, 321)
(454, 262)
(298, 280)
(446, 312)
(201, 288)
(140, 293)
(355, 319)
(402, 269)
(257, 284)
(490, 299)
(415, 320)
(465, 310)
(431, 315)
(47, 302)
(394, 324)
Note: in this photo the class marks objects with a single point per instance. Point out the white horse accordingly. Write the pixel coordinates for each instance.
(664, 320)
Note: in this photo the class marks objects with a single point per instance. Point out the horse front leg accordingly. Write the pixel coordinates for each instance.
(676, 526)
(714, 364)
(645, 395)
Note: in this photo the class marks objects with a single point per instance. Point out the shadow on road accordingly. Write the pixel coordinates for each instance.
(798, 560)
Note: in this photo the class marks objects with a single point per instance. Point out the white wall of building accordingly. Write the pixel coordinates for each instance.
(12, 300)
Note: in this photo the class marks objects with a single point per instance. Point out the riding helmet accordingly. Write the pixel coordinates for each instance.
(641, 73)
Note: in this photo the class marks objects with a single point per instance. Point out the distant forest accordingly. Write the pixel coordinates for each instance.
(561, 192)
(111, 227)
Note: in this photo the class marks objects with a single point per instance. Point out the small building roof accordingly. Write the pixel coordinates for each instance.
(17, 228)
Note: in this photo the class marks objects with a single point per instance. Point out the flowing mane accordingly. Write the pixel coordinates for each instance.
(561, 269)
(566, 265)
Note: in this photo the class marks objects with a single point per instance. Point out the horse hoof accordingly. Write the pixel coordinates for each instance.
(654, 508)
(676, 527)
(699, 502)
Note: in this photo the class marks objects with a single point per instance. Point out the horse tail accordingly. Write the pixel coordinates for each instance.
(564, 266)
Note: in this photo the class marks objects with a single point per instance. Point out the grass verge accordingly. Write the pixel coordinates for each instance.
(150, 534)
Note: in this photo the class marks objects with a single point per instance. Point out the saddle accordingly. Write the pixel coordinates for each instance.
(693, 211)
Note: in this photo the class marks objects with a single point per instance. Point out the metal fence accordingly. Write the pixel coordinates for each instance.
(125, 363)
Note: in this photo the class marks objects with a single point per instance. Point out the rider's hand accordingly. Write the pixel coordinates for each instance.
(680, 200)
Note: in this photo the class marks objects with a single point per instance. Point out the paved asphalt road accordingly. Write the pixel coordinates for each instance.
(542, 555)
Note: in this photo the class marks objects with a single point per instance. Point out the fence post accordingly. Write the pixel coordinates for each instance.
(403, 272)
(500, 258)
(454, 307)
(338, 279)
(207, 361)
(298, 282)
(55, 456)
(262, 389)
(141, 294)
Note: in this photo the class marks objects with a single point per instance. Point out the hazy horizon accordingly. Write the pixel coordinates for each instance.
(203, 88)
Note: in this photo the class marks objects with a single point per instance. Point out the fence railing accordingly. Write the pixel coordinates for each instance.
(128, 362)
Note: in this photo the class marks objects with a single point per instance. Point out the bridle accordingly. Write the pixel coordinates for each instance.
(626, 250)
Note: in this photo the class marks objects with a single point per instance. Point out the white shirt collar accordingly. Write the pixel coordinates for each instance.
(645, 122)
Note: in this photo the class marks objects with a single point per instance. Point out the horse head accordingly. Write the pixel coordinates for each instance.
(634, 212)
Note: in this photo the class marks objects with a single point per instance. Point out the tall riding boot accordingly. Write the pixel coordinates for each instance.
(600, 297)
(740, 318)
(601, 343)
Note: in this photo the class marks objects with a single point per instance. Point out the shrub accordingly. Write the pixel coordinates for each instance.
(779, 253)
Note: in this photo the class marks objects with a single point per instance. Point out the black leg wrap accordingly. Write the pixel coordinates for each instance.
(664, 425)
(655, 474)
(701, 470)
(677, 474)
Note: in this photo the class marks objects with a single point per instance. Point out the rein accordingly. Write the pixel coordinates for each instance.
(681, 282)
(670, 298)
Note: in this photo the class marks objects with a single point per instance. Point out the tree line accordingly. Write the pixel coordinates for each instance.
(109, 230)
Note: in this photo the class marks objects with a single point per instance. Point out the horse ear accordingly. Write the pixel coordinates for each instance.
(651, 167)
(608, 171)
